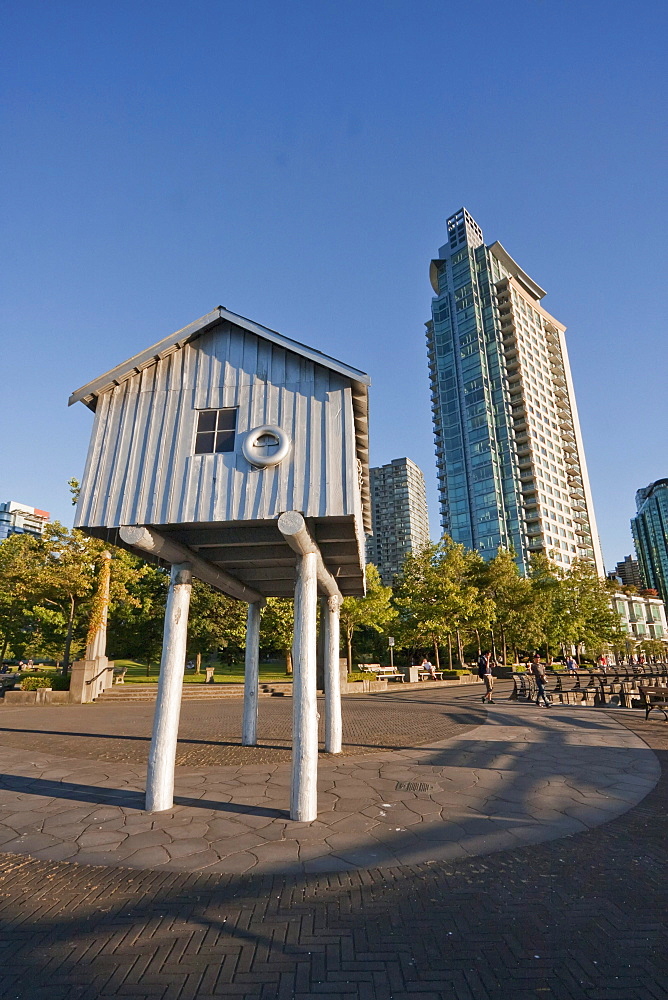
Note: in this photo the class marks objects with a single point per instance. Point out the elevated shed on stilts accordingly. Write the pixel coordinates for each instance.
(234, 454)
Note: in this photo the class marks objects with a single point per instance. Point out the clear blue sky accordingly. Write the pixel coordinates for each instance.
(295, 162)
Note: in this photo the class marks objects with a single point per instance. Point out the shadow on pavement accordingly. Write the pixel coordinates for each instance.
(125, 798)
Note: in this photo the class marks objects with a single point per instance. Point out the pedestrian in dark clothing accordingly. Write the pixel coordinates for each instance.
(485, 665)
(538, 671)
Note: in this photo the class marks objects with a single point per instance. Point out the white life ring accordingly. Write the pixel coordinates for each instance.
(258, 454)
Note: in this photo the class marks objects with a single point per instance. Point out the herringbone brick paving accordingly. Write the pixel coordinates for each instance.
(581, 918)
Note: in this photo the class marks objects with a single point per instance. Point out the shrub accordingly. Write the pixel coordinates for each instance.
(59, 683)
(33, 683)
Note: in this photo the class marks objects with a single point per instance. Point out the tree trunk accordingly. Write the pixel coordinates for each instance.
(148, 668)
(460, 650)
(450, 649)
(198, 663)
(438, 664)
(5, 643)
(491, 632)
(477, 635)
(504, 647)
(515, 659)
(288, 661)
(349, 651)
(68, 639)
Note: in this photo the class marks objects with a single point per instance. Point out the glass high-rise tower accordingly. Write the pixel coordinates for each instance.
(650, 535)
(511, 464)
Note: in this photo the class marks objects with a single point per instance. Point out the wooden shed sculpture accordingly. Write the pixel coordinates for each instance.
(239, 456)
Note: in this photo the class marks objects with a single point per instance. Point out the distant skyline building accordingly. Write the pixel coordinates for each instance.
(510, 459)
(650, 535)
(628, 571)
(18, 519)
(399, 515)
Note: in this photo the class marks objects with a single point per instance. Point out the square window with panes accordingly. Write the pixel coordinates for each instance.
(215, 431)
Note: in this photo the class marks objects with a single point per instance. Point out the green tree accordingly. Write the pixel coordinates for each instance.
(574, 607)
(373, 611)
(587, 618)
(438, 599)
(277, 628)
(549, 604)
(20, 567)
(516, 614)
(136, 624)
(216, 621)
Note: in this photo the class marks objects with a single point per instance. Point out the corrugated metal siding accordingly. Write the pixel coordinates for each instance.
(141, 466)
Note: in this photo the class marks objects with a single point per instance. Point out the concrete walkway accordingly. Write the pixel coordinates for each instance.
(525, 775)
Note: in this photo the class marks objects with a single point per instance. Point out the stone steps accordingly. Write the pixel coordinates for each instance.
(191, 692)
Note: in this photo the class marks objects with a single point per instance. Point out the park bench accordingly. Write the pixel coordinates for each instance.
(119, 675)
(629, 692)
(7, 682)
(381, 673)
(428, 675)
(388, 673)
(654, 697)
(524, 687)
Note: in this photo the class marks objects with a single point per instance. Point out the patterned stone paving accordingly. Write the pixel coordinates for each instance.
(524, 776)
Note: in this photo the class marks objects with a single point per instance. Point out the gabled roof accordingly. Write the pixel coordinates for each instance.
(88, 393)
(360, 382)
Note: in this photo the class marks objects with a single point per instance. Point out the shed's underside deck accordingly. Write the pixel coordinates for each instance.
(256, 553)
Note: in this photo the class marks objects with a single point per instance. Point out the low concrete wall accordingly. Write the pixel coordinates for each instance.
(42, 696)
(374, 687)
(364, 687)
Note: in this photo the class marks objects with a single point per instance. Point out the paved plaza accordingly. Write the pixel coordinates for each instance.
(460, 852)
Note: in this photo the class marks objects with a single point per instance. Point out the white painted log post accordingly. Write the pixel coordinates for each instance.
(251, 676)
(331, 608)
(304, 788)
(162, 755)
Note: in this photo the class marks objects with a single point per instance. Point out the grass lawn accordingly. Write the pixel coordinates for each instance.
(229, 674)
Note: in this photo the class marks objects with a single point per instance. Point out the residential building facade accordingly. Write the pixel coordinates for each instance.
(650, 535)
(642, 617)
(399, 515)
(510, 458)
(18, 519)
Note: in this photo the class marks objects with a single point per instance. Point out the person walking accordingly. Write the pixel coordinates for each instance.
(538, 671)
(485, 665)
(571, 665)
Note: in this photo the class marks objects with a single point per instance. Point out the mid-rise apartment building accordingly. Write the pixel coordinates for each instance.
(18, 518)
(399, 515)
(650, 535)
(642, 617)
(510, 457)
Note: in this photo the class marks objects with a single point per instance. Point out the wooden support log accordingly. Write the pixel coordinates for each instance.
(162, 755)
(292, 526)
(331, 608)
(251, 677)
(304, 790)
(151, 541)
